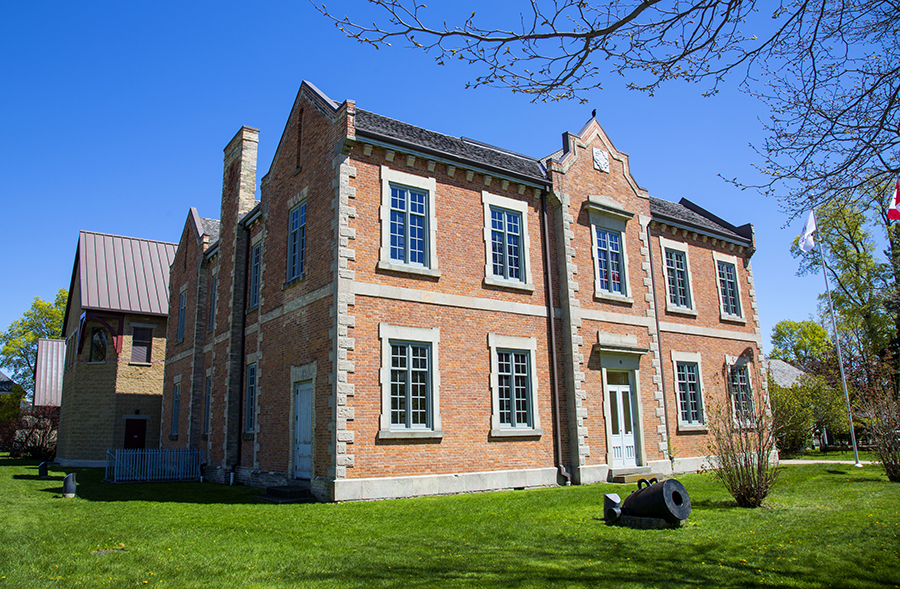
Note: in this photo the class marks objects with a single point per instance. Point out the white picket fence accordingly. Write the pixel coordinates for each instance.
(136, 465)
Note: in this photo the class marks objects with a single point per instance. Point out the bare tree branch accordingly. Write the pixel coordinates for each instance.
(829, 70)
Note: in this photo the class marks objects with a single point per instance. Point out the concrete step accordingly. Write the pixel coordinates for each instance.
(631, 475)
(295, 493)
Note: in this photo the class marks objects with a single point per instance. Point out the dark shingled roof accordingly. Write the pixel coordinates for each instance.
(6, 384)
(210, 227)
(664, 210)
(369, 124)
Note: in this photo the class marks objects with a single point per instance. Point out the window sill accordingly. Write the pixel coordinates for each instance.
(681, 310)
(140, 364)
(95, 362)
(693, 428)
(517, 433)
(173, 437)
(410, 434)
(417, 270)
(253, 308)
(292, 282)
(248, 436)
(605, 296)
(514, 284)
(179, 341)
(732, 318)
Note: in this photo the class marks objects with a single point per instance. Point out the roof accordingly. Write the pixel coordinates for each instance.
(695, 217)
(124, 274)
(211, 228)
(48, 374)
(369, 124)
(784, 374)
(6, 384)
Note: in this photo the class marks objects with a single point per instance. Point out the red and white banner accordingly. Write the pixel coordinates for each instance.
(894, 210)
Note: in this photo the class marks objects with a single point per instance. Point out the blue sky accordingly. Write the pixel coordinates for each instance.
(115, 116)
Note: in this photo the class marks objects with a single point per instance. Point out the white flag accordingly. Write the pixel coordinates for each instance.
(806, 237)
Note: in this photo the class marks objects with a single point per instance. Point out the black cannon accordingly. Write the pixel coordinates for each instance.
(666, 502)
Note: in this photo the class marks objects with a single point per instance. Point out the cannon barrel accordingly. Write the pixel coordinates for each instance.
(668, 500)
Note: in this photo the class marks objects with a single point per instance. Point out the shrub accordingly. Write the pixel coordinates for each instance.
(793, 418)
(882, 416)
(742, 445)
(37, 433)
(10, 417)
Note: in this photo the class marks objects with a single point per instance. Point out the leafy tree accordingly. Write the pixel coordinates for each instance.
(18, 344)
(829, 70)
(801, 343)
(864, 284)
(792, 417)
(10, 416)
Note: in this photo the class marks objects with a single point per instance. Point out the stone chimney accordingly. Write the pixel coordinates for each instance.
(239, 179)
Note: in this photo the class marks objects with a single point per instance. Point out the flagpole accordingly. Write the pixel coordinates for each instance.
(837, 343)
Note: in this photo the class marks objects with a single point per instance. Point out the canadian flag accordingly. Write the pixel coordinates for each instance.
(894, 210)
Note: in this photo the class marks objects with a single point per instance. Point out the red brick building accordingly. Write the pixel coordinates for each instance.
(406, 313)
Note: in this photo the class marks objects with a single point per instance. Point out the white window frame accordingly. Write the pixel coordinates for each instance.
(682, 247)
(176, 408)
(297, 264)
(608, 214)
(251, 393)
(718, 258)
(213, 288)
(496, 344)
(429, 186)
(495, 201)
(207, 409)
(255, 274)
(730, 363)
(689, 358)
(182, 312)
(430, 336)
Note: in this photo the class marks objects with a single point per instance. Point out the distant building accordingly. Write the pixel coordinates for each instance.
(115, 347)
(48, 374)
(6, 384)
(409, 313)
(784, 374)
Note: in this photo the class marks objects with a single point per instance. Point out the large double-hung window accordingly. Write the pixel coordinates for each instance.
(409, 220)
(741, 393)
(729, 287)
(296, 250)
(506, 244)
(408, 223)
(513, 385)
(609, 221)
(410, 382)
(609, 260)
(514, 388)
(679, 293)
(255, 268)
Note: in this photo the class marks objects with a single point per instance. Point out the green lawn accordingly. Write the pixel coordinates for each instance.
(864, 455)
(824, 526)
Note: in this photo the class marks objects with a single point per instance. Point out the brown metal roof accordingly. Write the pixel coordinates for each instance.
(48, 375)
(124, 273)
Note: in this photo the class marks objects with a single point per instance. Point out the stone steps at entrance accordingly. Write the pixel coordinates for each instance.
(298, 492)
(631, 475)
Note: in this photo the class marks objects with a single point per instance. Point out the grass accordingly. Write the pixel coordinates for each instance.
(864, 455)
(823, 526)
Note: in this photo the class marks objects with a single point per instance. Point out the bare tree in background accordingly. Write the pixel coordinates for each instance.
(829, 70)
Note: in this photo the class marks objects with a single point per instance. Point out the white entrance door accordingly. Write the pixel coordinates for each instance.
(622, 418)
(303, 395)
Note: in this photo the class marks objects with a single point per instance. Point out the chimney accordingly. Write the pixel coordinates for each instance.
(239, 180)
